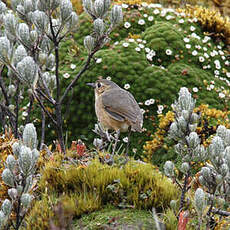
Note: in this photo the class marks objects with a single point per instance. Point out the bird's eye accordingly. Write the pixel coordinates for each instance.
(98, 85)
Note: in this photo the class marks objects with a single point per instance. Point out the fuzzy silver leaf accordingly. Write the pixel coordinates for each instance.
(19, 54)
(8, 177)
(26, 199)
(30, 136)
(89, 43)
(6, 207)
(116, 16)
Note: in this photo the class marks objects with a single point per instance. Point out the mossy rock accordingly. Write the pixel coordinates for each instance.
(84, 189)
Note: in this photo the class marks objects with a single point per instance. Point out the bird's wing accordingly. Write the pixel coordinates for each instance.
(120, 105)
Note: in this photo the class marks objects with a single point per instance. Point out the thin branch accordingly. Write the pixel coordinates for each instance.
(17, 108)
(44, 109)
(220, 212)
(2, 85)
(43, 129)
(52, 101)
(29, 109)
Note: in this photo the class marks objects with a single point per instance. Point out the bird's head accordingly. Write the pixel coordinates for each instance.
(102, 85)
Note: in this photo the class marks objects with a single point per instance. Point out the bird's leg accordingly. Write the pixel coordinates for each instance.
(116, 140)
(127, 146)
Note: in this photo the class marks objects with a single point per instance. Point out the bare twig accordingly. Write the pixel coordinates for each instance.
(220, 212)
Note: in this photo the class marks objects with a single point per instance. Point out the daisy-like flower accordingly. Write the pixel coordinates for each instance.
(212, 86)
(116, 43)
(221, 95)
(142, 111)
(138, 49)
(198, 47)
(205, 49)
(227, 63)
(152, 101)
(66, 75)
(186, 40)
(168, 52)
(163, 13)
(141, 22)
(156, 11)
(125, 6)
(147, 102)
(181, 21)
(201, 59)
(218, 66)
(217, 72)
(206, 55)
(212, 54)
(195, 89)
(194, 52)
(149, 56)
(182, 14)
(160, 107)
(150, 18)
(192, 28)
(217, 62)
(194, 35)
(159, 111)
(208, 67)
(131, 40)
(219, 47)
(24, 114)
(188, 46)
(108, 78)
(195, 20)
(127, 25)
(221, 52)
(206, 39)
(127, 86)
(139, 40)
(99, 60)
(144, 41)
(125, 44)
(169, 17)
(72, 66)
(223, 58)
(125, 139)
(147, 50)
(144, 4)
(141, 46)
(228, 74)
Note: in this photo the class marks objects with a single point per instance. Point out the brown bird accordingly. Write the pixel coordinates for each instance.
(116, 109)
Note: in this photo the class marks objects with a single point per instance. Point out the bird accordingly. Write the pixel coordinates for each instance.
(116, 109)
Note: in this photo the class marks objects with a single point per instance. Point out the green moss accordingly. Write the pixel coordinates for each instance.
(110, 216)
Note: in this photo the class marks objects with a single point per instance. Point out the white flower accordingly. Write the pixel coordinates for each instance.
(192, 28)
(127, 86)
(206, 55)
(156, 11)
(108, 78)
(194, 35)
(195, 89)
(205, 49)
(221, 52)
(186, 40)
(228, 74)
(131, 40)
(216, 76)
(223, 58)
(219, 47)
(116, 43)
(194, 52)
(201, 59)
(168, 52)
(125, 6)
(169, 17)
(99, 60)
(163, 13)
(160, 107)
(218, 66)
(139, 40)
(227, 63)
(195, 19)
(217, 72)
(150, 55)
(213, 54)
(125, 44)
(221, 95)
(147, 50)
(198, 47)
(147, 102)
(24, 114)
(141, 46)
(145, 15)
(208, 66)
(125, 139)
(217, 62)
(137, 49)
(213, 82)
(181, 21)
(143, 111)
(144, 41)
(144, 4)
(188, 46)
(182, 14)
(66, 75)
(141, 22)
(72, 66)
(150, 18)
(152, 101)
(159, 111)
(212, 86)
(127, 25)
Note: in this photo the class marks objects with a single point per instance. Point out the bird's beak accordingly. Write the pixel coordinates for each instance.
(91, 84)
